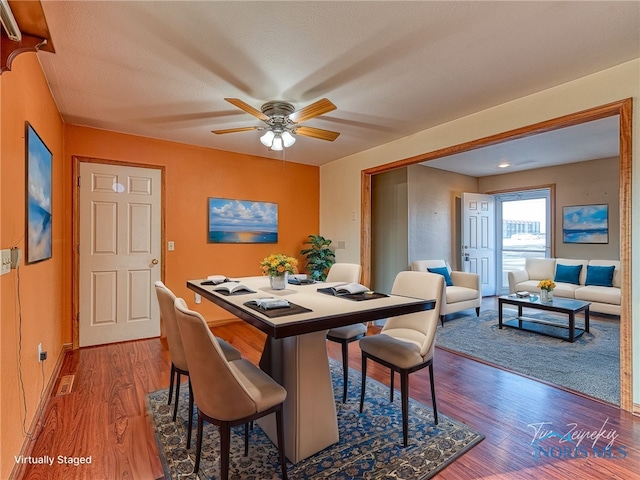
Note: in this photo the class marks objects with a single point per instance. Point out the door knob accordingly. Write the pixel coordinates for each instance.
(154, 261)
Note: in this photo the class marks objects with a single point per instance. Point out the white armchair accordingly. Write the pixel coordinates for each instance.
(465, 292)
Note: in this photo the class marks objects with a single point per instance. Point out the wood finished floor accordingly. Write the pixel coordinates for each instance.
(105, 415)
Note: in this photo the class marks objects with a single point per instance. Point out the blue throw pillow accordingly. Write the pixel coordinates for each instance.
(444, 272)
(600, 276)
(568, 274)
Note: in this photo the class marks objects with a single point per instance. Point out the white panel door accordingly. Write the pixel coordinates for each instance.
(478, 239)
(120, 228)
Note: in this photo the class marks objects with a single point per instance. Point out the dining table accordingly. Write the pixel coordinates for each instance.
(295, 352)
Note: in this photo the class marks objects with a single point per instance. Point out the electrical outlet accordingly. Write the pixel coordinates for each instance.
(16, 257)
(198, 298)
(42, 356)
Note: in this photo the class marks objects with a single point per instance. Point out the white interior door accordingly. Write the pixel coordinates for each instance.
(120, 228)
(478, 239)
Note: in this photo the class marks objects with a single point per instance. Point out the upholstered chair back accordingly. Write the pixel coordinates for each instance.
(423, 265)
(344, 272)
(166, 300)
(419, 327)
(218, 390)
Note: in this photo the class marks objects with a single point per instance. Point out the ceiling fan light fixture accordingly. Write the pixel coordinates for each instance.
(288, 139)
(277, 143)
(267, 138)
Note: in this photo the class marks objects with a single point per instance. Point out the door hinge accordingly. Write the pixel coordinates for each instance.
(79, 181)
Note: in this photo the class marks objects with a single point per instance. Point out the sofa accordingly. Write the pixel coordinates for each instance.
(462, 290)
(576, 279)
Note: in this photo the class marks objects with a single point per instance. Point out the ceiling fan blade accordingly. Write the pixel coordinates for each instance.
(248, 108)
(233, 130)
(310, 111)
(316, 133)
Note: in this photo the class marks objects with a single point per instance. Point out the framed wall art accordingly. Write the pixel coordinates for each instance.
(38, 177)
(585, 224)
(242, 221)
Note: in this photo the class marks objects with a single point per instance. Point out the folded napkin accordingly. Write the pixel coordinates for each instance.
(270, 303)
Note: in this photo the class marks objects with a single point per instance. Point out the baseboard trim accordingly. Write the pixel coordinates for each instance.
(36, 422)
(636, 409)
(222, 321)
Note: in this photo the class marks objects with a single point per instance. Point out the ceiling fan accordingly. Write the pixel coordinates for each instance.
(283, 122)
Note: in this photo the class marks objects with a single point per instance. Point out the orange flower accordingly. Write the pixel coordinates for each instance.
(277, 264)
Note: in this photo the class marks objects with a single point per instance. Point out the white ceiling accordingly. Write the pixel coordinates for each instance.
(580, 143)
(393, 68)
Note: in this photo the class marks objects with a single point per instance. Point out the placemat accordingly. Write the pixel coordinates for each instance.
(356, 297)
(293, 309)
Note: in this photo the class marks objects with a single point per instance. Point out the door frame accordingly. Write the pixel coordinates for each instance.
(551, 222)
(75, 225)
(623, 108)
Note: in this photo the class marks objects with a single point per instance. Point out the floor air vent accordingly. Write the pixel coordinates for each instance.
(65, 385)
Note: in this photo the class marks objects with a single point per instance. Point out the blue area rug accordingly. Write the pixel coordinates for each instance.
(590, 365)
(370, 445)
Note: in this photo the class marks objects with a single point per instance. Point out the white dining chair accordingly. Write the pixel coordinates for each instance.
(407, 342)
(347, 273)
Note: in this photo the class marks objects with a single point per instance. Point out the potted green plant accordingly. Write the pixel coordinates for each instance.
(319, 257)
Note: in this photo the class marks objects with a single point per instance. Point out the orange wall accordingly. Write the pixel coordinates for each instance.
(45, 311)
(192, 174)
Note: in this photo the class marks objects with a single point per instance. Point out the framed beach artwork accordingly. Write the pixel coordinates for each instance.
(585, 224)
(242, 221)
(38, 176)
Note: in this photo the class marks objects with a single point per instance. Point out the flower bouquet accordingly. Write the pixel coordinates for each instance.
(546, 287)
(277, 266)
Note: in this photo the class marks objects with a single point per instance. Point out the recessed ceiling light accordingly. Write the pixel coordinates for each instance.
(504, 164)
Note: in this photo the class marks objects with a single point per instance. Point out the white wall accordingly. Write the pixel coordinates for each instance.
(340, 179)
(389, 228)
(434, 223)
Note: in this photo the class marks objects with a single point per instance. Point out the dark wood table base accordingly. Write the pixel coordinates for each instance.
(543, 327)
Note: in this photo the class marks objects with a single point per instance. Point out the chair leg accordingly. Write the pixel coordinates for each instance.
(225, 442)
(280, 434)
(392, 386)
(175, 407)
(173, 374)
(433, 394)
(345, 369)
(477, 311)
(246, 439)
(442, 320)
(364, 381)
(404, 394)
(196, 466)
(190, 422)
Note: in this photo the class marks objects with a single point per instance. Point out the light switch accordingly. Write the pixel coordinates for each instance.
(171, 246)
(6, 261)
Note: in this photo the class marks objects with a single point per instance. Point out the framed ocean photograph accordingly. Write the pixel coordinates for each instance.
(242, 221)
(38, 175)
(585, 224)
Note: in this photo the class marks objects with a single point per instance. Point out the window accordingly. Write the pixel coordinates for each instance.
(525, 223)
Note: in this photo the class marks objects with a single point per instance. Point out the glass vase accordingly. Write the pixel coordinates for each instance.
(546, 295)
(278, 282)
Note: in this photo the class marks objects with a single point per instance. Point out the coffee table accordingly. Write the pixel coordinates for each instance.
(557, 305)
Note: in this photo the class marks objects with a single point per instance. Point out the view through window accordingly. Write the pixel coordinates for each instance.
(524, 219)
